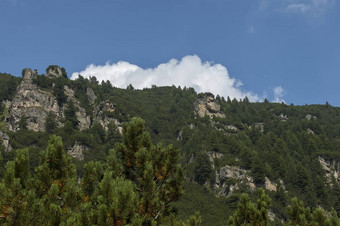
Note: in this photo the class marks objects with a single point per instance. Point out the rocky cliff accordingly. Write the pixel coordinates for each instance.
(332, 169)
(31, 104)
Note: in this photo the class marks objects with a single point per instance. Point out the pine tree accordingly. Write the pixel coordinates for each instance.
(50, 123)
(70, 114)
(203, 169)
(154, 170)
(56, 184)
(16, 197)
(249, 213)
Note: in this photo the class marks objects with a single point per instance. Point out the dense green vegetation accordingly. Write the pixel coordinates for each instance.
(135, 185)
(8, 86)
(270, 140)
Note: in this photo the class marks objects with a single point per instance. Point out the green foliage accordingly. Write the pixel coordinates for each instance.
(203, 169)
(23, 123)
(249, 213)
(43, 82)
(154, 169)
(50, 123)
(252, 136)
(58, 91)
(98, 132)
(300, 215)
(8, 86)
(136, 191)
(70, 114)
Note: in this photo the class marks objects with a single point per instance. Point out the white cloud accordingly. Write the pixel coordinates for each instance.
(190, 71)
(315, 7)
(301, 8)
(305, 7)
(279, 92)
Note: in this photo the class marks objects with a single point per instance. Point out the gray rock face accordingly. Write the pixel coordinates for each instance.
(84, 120)
(5, 141)
(103, 112)
(206, 105)
(91, 95)
(214, 155)
(332, 168)
(310, 117)
(32, 103)
(283, 117)
(54, 71)
(77, 151)
(229, 177)
(28, 74)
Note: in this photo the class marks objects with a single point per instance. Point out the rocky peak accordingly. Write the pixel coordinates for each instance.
(31, 103)
(28, 74)
(207, 105)
(54, 71)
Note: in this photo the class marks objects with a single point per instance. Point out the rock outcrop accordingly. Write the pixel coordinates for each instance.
(229, 178)
(54, 71)
(77, 151)
(214, 155)
(5, 141)
(31, 103)
(283, 117)
(310, 117)
(104, 113)
(83, 118)
(331, 167)
(91, 95)
(207, 105)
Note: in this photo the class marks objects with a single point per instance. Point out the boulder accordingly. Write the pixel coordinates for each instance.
(91, 95)
(207, 105)
(77, 151)
(5, 141)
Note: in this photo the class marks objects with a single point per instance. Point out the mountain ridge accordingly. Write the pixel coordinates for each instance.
(272, 144)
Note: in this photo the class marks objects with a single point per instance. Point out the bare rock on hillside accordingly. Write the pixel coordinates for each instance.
(332, 168)
(77, 151)
(54, 71)
(32, 103)
(5, 141)
(207, 105)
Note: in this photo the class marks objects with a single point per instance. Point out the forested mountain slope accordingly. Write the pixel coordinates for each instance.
(227, 147)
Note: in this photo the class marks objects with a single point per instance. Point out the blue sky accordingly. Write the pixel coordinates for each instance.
(277, 49)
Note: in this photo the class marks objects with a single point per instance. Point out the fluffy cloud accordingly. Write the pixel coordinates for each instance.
(190, 71)
(279, 92)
